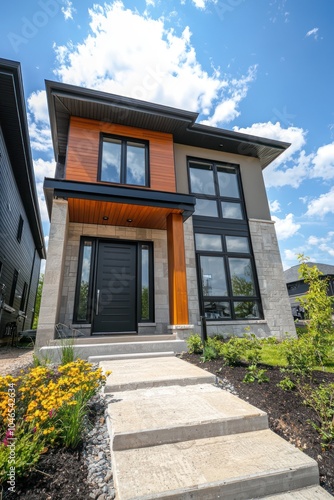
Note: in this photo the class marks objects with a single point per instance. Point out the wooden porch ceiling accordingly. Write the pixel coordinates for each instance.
(119, 214)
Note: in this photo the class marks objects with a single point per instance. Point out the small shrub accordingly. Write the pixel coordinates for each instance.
(255, 374)
(209, 352)
(194, 343)
(322, 401)
(300, 354)
(233, 351)
(287, 384)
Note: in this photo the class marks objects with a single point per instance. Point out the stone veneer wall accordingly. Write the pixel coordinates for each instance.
(276, 307)
(159, 239)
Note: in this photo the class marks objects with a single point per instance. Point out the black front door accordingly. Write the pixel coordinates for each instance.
(115, 297)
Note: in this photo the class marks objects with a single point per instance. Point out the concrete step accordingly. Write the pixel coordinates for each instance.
(84, 350)
(128, 374)
(116, 339)
(137, 355)
(238, 466)
(161, 415)
(312, 493)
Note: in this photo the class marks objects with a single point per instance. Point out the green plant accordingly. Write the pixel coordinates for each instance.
(255, 374)
(322, 401)
(38, 301)
(209, 352)
(286, 384)
(318, 309)
(233, 351)
(72, 420)
(67, 351)
(300, 354)
(194, 343)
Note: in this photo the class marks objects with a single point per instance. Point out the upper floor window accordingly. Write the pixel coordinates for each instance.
(124, 161)
(217, 189)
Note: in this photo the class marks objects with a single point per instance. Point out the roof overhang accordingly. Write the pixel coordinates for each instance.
(65, 101)
(15, 130)
(118, 205)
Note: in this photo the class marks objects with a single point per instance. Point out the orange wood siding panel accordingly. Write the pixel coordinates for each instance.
(177, 278)
(83, 152)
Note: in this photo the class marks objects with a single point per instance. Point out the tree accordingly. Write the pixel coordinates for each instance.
(38, 301)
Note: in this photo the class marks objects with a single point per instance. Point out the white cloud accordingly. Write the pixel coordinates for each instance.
(156, 64)
(227, 110)
(323, 162)
(68, 10)
(274, 206)
(43, 169)
(313, 32)
(200, 4)
(38, 107)
(322, 205)
(285, 228)
(38, 121)
(292, 166)
(325, 244)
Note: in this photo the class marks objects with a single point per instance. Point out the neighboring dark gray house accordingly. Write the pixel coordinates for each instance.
(21, 235)
(297, 287)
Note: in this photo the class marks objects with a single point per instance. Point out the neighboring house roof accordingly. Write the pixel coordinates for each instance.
(291, 275)
(14, 126)
(69, 100)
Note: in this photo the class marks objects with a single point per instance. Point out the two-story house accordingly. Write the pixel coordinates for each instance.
(21, 234)
(157, 220)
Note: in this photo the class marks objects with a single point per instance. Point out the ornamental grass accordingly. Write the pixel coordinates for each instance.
(42, 408)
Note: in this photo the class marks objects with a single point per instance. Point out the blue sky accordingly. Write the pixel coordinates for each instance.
(259, 66)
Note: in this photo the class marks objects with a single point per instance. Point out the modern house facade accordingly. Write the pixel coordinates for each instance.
(157, 221)
(21, 234)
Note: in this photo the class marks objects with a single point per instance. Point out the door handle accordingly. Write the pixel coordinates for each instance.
(97, 302)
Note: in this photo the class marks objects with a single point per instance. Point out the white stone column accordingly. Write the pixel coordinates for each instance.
(53, 277)
(273, 290)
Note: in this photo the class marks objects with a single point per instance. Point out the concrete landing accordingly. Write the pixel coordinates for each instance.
(84, 348)
(132, 374)
(162, 415)
(239, 466)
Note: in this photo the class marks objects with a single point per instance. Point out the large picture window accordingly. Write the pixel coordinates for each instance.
(123, 161)
(226, 271)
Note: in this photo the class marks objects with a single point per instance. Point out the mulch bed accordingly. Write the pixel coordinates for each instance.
(288, 416)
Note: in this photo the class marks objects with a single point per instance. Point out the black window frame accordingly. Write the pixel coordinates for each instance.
(88, 320)
(124, 142)
(20, 229)
(224, 227)
(24, 297)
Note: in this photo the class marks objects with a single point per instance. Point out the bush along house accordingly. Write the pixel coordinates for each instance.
(21, 234)
(157, 221)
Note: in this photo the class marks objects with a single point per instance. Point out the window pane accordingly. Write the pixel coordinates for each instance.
(201, 181)
(84, 282)
(247, 309)
(111, 160)
(135, 163)
(237, 244)
(231, 210)
(206, 207)
(228, 184)
(241, 277)
(145, 291)
(209, 242)
(213, 276)
(217, 310)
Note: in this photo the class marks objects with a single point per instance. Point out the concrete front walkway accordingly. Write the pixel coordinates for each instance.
(175, 435)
